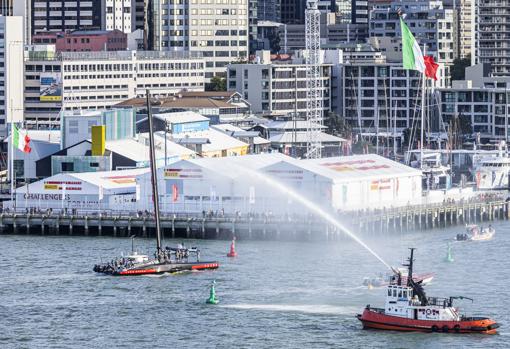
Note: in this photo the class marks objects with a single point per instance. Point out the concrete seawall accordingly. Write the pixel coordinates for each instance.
(259, 227)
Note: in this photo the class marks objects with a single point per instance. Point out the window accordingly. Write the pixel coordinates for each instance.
(67, 167)
(94, 164)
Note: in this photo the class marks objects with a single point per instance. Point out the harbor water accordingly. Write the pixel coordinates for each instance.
(275, 294)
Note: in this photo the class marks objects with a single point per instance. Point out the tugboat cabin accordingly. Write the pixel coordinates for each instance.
(402, 301)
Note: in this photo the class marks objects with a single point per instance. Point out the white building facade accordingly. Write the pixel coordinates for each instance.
(118, 14)
(276, 88)
(11, 72)
(96, 80)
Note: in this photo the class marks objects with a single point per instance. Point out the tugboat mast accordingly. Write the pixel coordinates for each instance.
(410, 268)
(154, 177)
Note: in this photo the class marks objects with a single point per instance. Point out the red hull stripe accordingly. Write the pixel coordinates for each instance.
(205, 266)
(138, 272)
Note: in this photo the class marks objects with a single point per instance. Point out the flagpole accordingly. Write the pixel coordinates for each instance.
(11, 162)
(422, 110)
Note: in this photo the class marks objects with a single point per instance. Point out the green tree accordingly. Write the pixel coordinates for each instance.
(217, 84)
(338, 125)
(458, 71)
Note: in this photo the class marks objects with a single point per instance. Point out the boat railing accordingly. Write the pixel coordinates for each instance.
(443, 302)
(376, 310)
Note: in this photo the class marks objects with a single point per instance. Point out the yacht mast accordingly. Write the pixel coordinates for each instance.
(154, 177)
(422, 112)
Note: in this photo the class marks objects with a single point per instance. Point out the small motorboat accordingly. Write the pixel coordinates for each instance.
(475, 233)
(384, 280)
(408, 308)
(483, 234)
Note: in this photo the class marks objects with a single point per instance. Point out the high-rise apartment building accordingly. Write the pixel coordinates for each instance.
(11, 71)
(218, 29)
(492, 35)
(293, 11)
(465, 25)
(22, 8)
(359, 11)
(6, 7)
(65, 15)
(276, 88)
(268, 10)
(118, 14)
(431, 24)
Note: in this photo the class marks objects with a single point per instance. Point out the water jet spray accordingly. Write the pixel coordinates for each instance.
(312, 207)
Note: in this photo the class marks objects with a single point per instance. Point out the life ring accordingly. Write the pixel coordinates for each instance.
(428, 312)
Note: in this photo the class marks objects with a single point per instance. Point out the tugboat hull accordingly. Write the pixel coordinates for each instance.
(376, 319)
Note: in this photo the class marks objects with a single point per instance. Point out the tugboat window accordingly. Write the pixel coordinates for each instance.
(400, 294)
(389, 292)
(394, 293)
(405, 294)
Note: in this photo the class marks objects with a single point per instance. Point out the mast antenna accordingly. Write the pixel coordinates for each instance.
(154, 177)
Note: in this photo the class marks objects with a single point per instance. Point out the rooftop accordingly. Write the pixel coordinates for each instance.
(235, 131)
(176, 102)
(302, 137)
(369, 165)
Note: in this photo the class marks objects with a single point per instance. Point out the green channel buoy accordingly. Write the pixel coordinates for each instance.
(449, 256)
(212, 295)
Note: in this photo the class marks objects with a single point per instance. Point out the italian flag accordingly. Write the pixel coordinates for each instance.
(411, 52)
(20, 140)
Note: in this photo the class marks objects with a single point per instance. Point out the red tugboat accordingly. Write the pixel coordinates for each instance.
(407, 308)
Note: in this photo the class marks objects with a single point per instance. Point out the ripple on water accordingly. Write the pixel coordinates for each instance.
(305, 298)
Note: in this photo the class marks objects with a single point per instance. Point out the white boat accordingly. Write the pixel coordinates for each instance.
(475, 233)
(483, 234)
(491, 171)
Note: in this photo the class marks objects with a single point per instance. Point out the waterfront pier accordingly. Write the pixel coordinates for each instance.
(254, 226)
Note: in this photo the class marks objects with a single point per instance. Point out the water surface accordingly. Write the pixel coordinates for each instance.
(275, 294)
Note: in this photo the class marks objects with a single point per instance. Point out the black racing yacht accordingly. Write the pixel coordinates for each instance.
(167, 260)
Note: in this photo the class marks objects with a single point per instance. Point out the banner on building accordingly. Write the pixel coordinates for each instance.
(50, 87)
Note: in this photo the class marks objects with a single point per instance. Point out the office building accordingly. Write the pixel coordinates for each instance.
(96, 80)
(61, 16)
(11, 71)
(269, 85)
(118, 14)
(293, 11)
(482, 99)
(217, 29)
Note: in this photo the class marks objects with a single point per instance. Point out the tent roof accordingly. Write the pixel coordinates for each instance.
(347, 168)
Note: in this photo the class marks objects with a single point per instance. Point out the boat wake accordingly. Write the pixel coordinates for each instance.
(296, 308)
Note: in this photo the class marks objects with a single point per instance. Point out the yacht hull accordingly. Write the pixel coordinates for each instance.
(161, 268)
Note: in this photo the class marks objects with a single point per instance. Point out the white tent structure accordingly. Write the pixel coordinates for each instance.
(371, 181)
(244, 184)
(88, 191)
(251, 183)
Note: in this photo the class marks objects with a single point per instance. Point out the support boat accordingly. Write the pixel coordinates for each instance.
(408, 308)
